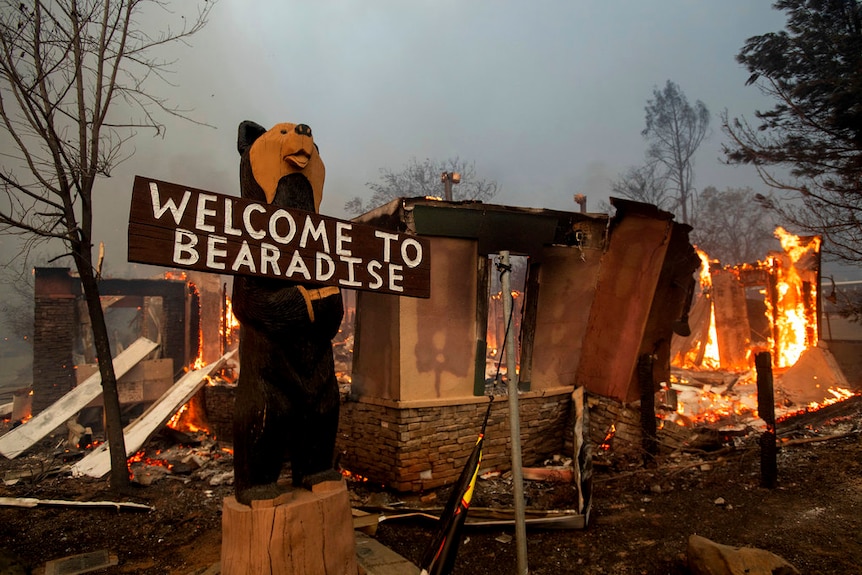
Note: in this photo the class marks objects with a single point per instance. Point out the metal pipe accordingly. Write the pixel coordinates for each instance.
(514, 418)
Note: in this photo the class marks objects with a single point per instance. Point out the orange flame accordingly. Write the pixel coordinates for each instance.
(229, 324)
(838, 394)
(703, 354)
(792, 308)
(353, 477)
(606, 442)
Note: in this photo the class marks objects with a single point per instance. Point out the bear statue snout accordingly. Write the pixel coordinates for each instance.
(303, 130)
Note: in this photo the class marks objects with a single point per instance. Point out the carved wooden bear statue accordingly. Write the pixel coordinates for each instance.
(287, 394)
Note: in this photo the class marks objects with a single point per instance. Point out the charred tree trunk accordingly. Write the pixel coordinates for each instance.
(113, 424)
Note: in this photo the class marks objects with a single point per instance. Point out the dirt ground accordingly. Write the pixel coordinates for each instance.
(640, 521)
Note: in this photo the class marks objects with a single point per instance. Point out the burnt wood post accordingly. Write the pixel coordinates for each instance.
(649, 440)
(766, 410)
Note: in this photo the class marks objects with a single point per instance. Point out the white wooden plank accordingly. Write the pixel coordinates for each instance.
(24, 436)
(6, 409)
(33, 502)
(98, 462)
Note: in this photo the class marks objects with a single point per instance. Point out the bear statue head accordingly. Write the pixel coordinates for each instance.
(280, 166)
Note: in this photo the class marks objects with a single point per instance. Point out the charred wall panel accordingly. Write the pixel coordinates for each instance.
(627, 281)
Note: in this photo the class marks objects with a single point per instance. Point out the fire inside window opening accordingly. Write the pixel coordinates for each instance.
(495, 359)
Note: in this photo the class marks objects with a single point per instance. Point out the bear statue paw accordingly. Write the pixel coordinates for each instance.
(268, 491)
(310, 481)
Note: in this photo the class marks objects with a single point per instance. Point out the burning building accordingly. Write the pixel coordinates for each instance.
(600, 293)
(180, 315)
(773, 305)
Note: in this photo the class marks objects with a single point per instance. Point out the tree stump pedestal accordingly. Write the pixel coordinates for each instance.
(298, 533)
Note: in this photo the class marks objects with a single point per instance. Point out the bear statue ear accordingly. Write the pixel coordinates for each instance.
(246, 135)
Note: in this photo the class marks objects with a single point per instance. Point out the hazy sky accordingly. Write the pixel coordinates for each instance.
(547, 97)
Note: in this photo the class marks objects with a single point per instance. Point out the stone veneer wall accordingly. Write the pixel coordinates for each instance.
(625, 438)
(418, 448)
(54, 329)
(425, 446)
(627, 432)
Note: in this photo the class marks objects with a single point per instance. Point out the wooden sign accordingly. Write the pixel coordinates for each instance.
(176, 226)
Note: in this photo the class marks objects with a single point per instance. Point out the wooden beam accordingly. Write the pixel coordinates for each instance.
(483, 277)
(98, 462)
(528, 325)
(25, 436)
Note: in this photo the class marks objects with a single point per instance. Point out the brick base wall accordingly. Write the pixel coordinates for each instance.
(419, 448)
(411, 449)
(54, 328)
(614, 424)
(626, 439)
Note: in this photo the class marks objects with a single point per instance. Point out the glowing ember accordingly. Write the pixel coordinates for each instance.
(606, 443)
(141, 457)
(353, 477)
(838, 394)
(712, 403)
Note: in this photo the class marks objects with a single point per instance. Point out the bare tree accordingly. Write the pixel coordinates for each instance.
(675, 130)
(75, 81)
(423, 179)
(733, 226)
(644, 184)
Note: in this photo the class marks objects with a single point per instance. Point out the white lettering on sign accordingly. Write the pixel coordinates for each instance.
(203, 212)
(159, 209)
(185, 253)
(243, 258)
(394, 277)
(386, 237)
(317, 233)
(320, 260)
(273, 226)
(377, 282)
(350, 281)
(341, 238)
(414, 261)
(213, 232)
(228, 219)
(246, 220)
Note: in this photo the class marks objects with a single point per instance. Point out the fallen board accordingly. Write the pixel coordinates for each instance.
(491, 517)
(33, 502)
(98, 462)
(25, 436)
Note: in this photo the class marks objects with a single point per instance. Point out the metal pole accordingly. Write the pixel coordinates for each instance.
(514, 418)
